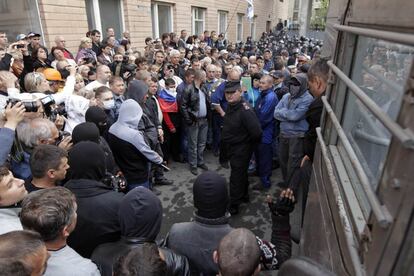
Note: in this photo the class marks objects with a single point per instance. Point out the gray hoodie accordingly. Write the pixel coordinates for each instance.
(126, 128)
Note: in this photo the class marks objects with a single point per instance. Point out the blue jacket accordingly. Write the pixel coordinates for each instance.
(218, 98)
(6, 138)
(269, 66)
(21, 169)
(265, 107)
(291, 114)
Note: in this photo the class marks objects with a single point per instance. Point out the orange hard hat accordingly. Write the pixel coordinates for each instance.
(52, 74)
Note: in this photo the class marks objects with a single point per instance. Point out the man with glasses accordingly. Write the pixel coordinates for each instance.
(32, 133)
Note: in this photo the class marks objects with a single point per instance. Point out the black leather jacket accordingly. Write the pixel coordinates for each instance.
(106, 255)
(190, 104)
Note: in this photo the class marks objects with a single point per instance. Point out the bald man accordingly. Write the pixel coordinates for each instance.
(264, 108)
(103, 74)
(238, 254)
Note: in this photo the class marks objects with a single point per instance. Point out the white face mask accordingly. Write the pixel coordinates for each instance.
(172, 90)
(109, 104)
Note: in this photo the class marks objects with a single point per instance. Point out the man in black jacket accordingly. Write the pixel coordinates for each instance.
(140, 216)
(241, 132)
(195, 108)
(98, 204)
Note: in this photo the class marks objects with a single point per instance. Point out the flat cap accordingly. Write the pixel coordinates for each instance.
(232, 86)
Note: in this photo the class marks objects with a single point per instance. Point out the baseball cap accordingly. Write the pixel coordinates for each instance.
(32, 34)
(20, 37)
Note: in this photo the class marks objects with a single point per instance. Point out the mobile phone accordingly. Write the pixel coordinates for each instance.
(19, 46)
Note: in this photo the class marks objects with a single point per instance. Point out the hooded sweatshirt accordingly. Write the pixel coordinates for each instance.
(98, 204)
(137, 91)
(140, 217)
(131, 152)
(291, 109)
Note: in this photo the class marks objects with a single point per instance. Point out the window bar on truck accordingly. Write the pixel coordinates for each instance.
(402, 38)
(380, 211)
(405, 136)
(346, 225)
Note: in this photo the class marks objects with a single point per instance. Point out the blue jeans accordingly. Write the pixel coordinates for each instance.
(184, 142)
(263, 156)
(197, 137)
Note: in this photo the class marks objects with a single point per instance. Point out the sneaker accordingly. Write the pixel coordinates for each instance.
(203, 166)
(194, 170)
(163, 181)
(234, 210)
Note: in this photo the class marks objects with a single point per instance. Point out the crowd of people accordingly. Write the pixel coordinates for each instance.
(86, 137)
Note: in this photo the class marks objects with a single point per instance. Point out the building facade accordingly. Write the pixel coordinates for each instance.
(142, 18)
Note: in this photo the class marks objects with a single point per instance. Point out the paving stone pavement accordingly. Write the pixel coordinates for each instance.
(177, 199)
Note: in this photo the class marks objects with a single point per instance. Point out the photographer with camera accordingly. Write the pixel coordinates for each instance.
(31, 133)
(123, 67)
(169, 73)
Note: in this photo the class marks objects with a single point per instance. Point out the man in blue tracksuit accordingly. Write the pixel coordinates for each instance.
(264, 108)
(290, 111)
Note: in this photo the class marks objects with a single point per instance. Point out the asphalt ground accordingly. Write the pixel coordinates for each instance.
(177, 199)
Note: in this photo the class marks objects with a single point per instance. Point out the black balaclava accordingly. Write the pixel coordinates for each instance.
(140, 214)
(87, 131)
(97, 116)
(87, 161)
(210, 195)
(298, 85)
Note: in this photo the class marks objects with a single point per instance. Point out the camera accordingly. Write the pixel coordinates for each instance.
(49, 109)
(116, 182)
(29, 106)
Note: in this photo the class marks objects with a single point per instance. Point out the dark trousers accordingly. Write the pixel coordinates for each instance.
(217, 125)
(264, 155)
(290, 156)
(239, 156)
(300, 180)
(171, 145)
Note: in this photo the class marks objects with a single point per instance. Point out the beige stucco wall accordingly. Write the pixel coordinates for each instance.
(68, 17)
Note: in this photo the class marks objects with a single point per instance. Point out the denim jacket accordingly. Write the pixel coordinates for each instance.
(291, 114)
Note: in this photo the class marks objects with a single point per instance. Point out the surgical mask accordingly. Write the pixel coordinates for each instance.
(109, 104)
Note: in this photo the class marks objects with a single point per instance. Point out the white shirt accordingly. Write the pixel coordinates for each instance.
(66, 262)
(95, 84)
(175, 78)
(9, 220)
